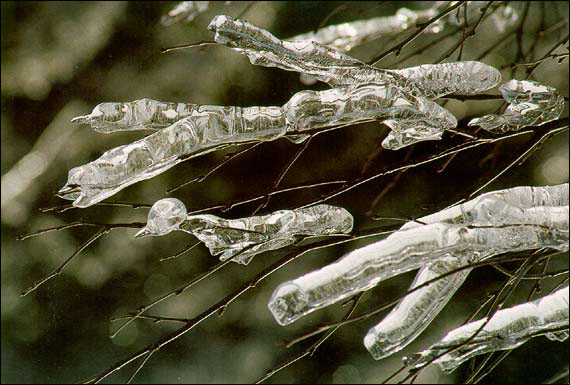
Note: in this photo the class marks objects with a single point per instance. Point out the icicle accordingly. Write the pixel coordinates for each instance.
(531, 104)
(337, 69)
(346, 36)
(496, 227)
(412, 119)
(184, 11)
(417, 310)
(507, 329)
(255, 235)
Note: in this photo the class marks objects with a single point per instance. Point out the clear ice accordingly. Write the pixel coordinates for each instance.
(531, 104)
(507, 329)
(337, 69)
(412, 119)
(343, 37)
(244, 238)
(143, 114)
(488, 227)
(416, 311)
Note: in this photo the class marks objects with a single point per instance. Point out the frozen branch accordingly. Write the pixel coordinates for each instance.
(228, 237)
(411, 118)
(507, 329)
(513, 229)
(337, 69)
(531, 104)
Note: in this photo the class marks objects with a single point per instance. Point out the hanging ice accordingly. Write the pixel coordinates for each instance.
(531, 104)
(416, 311)
(501, 227)
(507, 329)
(246, 237)
(184, 11)
(346, 36)
(411, 119)
(337, 69)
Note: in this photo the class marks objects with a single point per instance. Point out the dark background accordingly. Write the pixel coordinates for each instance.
(60, 59)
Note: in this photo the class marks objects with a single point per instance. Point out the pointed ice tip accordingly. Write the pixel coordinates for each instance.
(81, 119)
(144, 232)
(69, 191)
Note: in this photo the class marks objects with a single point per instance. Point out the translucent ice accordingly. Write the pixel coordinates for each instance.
(346, 36)
(411, 118)
(246, 237)
(491, 227)
(416, 311)
(335, 68)
(531, 104)
(507, 329)
(137, 115)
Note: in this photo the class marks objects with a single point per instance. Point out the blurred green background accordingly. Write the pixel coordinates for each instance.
(60, 59)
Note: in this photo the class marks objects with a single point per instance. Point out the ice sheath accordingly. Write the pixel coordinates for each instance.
(241, 239)
(521, 218)
(206, 128)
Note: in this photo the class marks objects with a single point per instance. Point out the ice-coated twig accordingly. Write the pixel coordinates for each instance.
(531, 104)
(411, 119)
(337, 69)
(184, 11)
(246, 236)
(415, 312)
(507, 329)
(346, 36)
(500, 227)
(143, 114)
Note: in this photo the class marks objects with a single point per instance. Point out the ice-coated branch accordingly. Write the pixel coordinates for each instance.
(416, 311)
(531, 104)
(246, 237)
(507, 329)
(143, 114)
(411, 119)
(184, 11)
(346, 36)
(337, 69)
(492, 227)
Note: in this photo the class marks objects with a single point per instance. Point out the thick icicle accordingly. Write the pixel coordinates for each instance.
(531, 104)
(184, 11)
(500, 227)
(337, 69)
(412, 119)
(246, 237)
(416, 311)
(346, 36)
(507, 329)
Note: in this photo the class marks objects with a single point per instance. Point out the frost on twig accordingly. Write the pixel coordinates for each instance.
(246, 237)
(335, 68)
(184, 11)
(507, 329)
(416, 311)
(500, 227)
(411, 119)
(531, 104)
